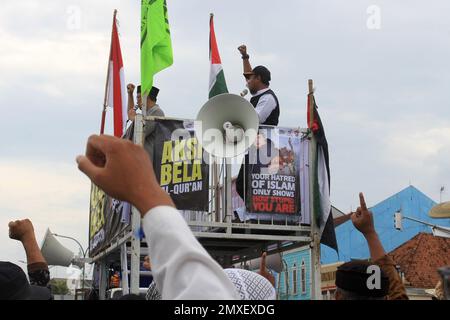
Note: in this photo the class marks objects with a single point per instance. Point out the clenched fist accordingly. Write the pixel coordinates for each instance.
(243, 50)
(130, 88)
(20, 229)
(124, 171)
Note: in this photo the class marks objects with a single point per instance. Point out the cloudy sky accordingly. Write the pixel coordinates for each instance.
(380, 69)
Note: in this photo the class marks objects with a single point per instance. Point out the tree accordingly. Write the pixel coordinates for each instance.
(59, 286)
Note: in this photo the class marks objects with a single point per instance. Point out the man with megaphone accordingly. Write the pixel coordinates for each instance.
(263, 100)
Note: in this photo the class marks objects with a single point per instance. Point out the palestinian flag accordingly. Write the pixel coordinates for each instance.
(321, 186)
(116, 83)
(217, 84)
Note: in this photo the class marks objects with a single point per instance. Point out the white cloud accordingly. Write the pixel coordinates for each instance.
(52, 195)
(413, 147)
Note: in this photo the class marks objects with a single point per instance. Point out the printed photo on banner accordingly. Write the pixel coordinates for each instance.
(273, 172)
(96, 219)
(108, 216)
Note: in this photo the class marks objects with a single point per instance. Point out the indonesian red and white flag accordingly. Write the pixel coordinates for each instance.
(116, 84)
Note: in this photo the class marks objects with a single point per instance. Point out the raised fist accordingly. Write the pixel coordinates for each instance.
(124, 171)
(20, 229)
(130, 88)
(243, 50)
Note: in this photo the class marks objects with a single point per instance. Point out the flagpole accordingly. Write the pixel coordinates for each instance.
(102, 262)
(216, 165)
(316, 283)
(105, 100)
(311, 107)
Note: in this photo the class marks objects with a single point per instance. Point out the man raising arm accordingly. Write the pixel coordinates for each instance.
(245, 59)
(181, 267)
(363, 221)
(265, 103)
(23, 231)
(131, 111)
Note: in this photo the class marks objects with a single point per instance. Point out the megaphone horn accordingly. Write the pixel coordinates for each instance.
(54, 252)
(273, 261)
(229, 125)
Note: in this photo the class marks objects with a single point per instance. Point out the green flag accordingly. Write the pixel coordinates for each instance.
(156, 46)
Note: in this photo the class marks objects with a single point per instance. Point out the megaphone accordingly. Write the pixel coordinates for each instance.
(229, 125)
(54, 252)
(440, 211)
(273, 262)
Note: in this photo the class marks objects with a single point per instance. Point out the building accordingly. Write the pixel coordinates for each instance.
(418, 260)
(409, 247)
(410, 201)
(294, 282)
(328, 277)
(73, 278)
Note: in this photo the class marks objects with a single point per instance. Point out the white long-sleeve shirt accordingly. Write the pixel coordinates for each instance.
(265, 106)
(181, 267)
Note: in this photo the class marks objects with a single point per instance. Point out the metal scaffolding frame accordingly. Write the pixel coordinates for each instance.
(227, 242)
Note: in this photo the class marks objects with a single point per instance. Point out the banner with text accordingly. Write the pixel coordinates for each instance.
(178, 160)
(272, 175)
(108, 217)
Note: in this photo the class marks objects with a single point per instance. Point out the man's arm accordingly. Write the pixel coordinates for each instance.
(131, 112)
(23, 231)
(245, 58)
(363, 221)
(263, 270)
(181, 267)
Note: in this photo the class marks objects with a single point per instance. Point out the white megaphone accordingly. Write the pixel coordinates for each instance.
(229, 125)
(55, 253)
(273, 262)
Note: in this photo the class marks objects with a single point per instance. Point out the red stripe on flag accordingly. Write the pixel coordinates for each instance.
(213, 49)
(315, 125)
(117, 63)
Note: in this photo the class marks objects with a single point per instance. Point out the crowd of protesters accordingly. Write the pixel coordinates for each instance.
(181, 267)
